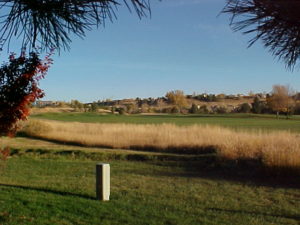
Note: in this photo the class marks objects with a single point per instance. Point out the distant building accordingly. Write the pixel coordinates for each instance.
(45, 103)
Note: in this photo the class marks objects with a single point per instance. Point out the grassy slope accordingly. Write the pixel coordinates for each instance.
(239, 121)
(37, 189)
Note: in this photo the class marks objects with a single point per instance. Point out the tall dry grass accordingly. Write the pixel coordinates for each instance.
(274, 149)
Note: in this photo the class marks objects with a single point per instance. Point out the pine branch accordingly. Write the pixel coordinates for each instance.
(275, 22)
(51, 23)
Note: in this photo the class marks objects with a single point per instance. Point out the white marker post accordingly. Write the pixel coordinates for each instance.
(102, 181)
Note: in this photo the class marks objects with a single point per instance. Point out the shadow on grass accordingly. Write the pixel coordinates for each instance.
(248, 171)
(184, 150)
(224, 115)
(231, 211)
(198, 162)
(62, 193)
(104, 156)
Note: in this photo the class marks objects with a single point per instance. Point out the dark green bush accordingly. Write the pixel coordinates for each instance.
(194, 109)
(244, 108)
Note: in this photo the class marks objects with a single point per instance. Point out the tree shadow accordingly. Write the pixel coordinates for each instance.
(182, 150)
(49, 191)
(199, 162)
(231, 211)
(247, 171)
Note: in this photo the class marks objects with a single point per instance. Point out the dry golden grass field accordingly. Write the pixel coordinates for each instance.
(275, 149)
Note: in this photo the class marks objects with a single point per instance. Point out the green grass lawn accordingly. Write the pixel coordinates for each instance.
(50, 183)
(58, 187)
(237, 121)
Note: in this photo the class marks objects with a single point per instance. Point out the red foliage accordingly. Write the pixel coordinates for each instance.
(4, 153)
(19, 88)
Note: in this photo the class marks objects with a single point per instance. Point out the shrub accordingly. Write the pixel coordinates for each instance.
(221, 109)
(297, 109)
(151, 110)
(244, 108)
(144, 107)
(175, 109)
(177, 98)
(113, 110)
(131, 109)
(94, 107)
(4, 153)
(257, 105)
(167, 110)
(121, 111)
(203, 109)
(194, 109)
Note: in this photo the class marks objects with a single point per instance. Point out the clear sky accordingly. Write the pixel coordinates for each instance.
(185, 45)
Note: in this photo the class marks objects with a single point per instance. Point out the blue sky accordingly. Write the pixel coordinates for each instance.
(185, 45)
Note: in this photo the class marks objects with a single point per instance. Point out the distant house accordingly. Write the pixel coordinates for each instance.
(231, 97)
(45, 103)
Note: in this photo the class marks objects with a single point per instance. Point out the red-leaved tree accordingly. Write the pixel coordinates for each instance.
(19, 88)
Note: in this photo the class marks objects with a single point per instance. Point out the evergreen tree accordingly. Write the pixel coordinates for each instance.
(257, 106)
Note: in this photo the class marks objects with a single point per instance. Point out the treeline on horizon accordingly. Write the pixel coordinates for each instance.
(280, 101)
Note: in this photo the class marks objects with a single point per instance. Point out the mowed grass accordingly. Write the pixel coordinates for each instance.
(236, 121)
(49, 183)
(60, 189)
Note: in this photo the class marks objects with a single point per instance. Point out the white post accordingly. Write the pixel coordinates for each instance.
(103, 181)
